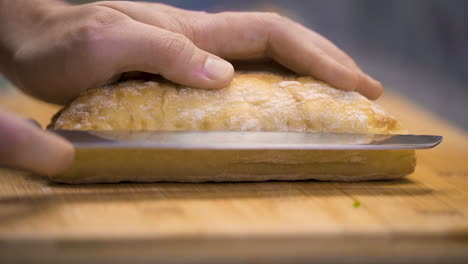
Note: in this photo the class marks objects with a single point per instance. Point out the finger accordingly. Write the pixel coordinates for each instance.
(245, 36)
(367, 85)
(155, 50)
(23, 145)
(326, 45)
(256, 35)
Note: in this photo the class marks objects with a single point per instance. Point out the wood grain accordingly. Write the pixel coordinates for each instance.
(423, 217)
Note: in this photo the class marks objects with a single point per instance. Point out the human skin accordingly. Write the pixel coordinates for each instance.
(54, 51)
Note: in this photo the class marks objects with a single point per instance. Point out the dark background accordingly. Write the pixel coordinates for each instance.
(416, 47)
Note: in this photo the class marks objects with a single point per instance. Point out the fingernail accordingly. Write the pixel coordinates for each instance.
(216, 68)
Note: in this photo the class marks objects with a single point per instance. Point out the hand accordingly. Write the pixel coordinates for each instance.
(23, 145)
(68, 49)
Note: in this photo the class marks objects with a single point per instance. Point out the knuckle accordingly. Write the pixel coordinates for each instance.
(23, 56)
(161, 6)
(273, 18)
(274, 23)
(105, 16)
(200, 12)
(96, 26)
(176, 45)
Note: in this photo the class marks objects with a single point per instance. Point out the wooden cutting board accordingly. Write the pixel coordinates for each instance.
(421, 218)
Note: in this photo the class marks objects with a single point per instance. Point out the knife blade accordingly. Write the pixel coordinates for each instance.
(243, 140)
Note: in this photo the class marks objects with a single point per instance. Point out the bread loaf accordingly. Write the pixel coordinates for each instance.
(255, 101)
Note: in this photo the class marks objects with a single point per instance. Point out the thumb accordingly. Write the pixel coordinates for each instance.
(22, 145)
(174, 56)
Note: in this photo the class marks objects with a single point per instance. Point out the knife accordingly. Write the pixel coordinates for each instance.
(242, 140)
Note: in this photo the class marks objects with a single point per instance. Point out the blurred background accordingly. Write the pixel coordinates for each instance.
(418, 48)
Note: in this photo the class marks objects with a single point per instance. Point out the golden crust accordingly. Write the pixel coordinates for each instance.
(255, 101)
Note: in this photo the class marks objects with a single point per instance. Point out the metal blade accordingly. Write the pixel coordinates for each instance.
(251, 140)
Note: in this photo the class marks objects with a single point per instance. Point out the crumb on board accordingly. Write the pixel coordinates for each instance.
(356, 204)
